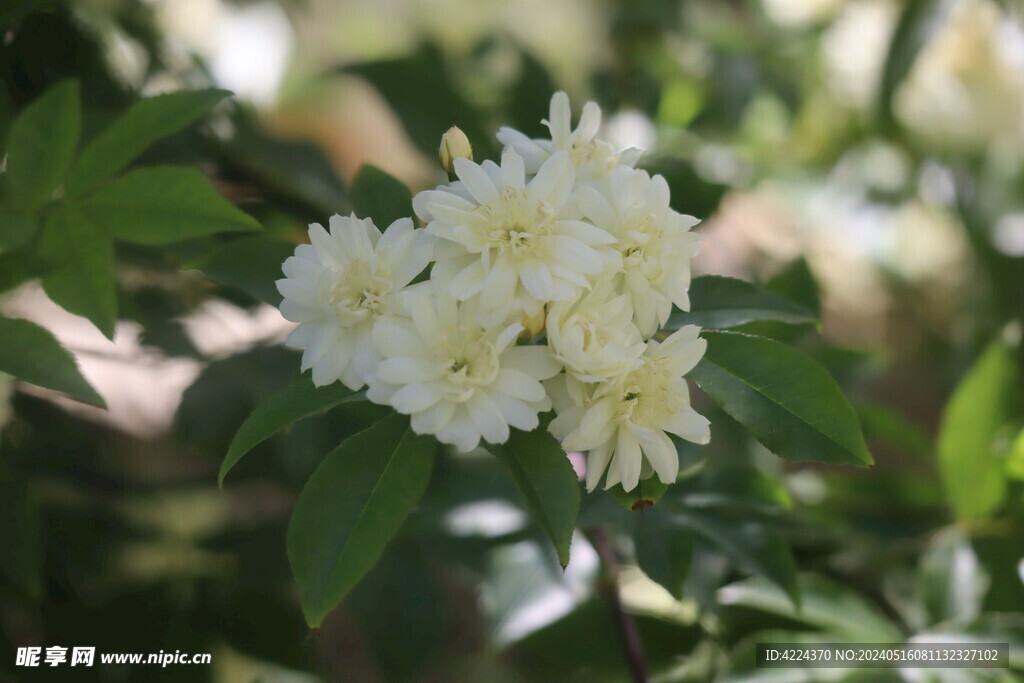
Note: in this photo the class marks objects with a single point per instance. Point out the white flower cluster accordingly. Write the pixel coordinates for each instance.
(551, 274)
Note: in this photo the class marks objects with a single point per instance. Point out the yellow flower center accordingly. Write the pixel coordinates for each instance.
(513, 222)
(469, 363)
(359, 293)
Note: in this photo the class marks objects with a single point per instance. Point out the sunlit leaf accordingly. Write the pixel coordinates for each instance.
(31, 354)
(982, 404)
(80, 267)
(41, 145)
(144, 123)
(163, 204)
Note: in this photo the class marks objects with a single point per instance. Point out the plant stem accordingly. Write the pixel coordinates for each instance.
(609, 587)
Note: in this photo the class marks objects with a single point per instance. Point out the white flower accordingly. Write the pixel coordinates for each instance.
(513, 243)
(623, 422)
(655, 242)
(594, 336)
(455, 379)
(338, 286)
(593, 158)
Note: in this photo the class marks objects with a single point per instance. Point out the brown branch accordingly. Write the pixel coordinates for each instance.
(608, 586)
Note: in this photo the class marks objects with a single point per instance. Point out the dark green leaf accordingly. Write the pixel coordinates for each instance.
(164, 204)
(825, 604)
(295, 402)
(547, 481)
(648, 492)
(42, 144)
(796, 282)
(143, 124)
(586, 645)
(21, 533)
(909, 36)
(16, 227)
(14, 10)
(80, 268)
(296, 169)
(721, 302)
(983, 403)
(379, 195)
(400, 608)
(664, 548)
(250, 263)
(749, 546)
(350, 508)
(420, 92)
(787, 401)
(31, 354)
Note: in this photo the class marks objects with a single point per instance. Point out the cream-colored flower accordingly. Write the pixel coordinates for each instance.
(624, 422)
(594, 335)
(339, 285)
(593, 158)
(965, 90)
(654, 241)
(458, 381)
(513, 244)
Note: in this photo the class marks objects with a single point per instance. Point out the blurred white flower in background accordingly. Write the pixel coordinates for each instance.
(966, 88)
(337, 288)
(247, 46)
(800, 12)
(854, 50)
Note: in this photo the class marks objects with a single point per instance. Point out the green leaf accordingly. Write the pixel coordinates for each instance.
(379, 195)
(42, 144)
(164, 204)
(143, 124)
(786, 400)
(1015, 460)
(911, 33)
(826, 605)
(21, 534)
(350, 508)
(423, 96)
(295, 402)
(547, 481)
(648, 492)
(294, 169)
(31, 354)
(982, 404)
(722, 302)
(249, 263)
(16, 227)
(80, 268)
(749, 546)
(664, 548)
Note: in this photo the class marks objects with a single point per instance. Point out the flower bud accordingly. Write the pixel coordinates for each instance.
(532, 324)
(454, 144)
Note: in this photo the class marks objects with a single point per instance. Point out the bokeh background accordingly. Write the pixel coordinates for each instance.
(865, 158)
